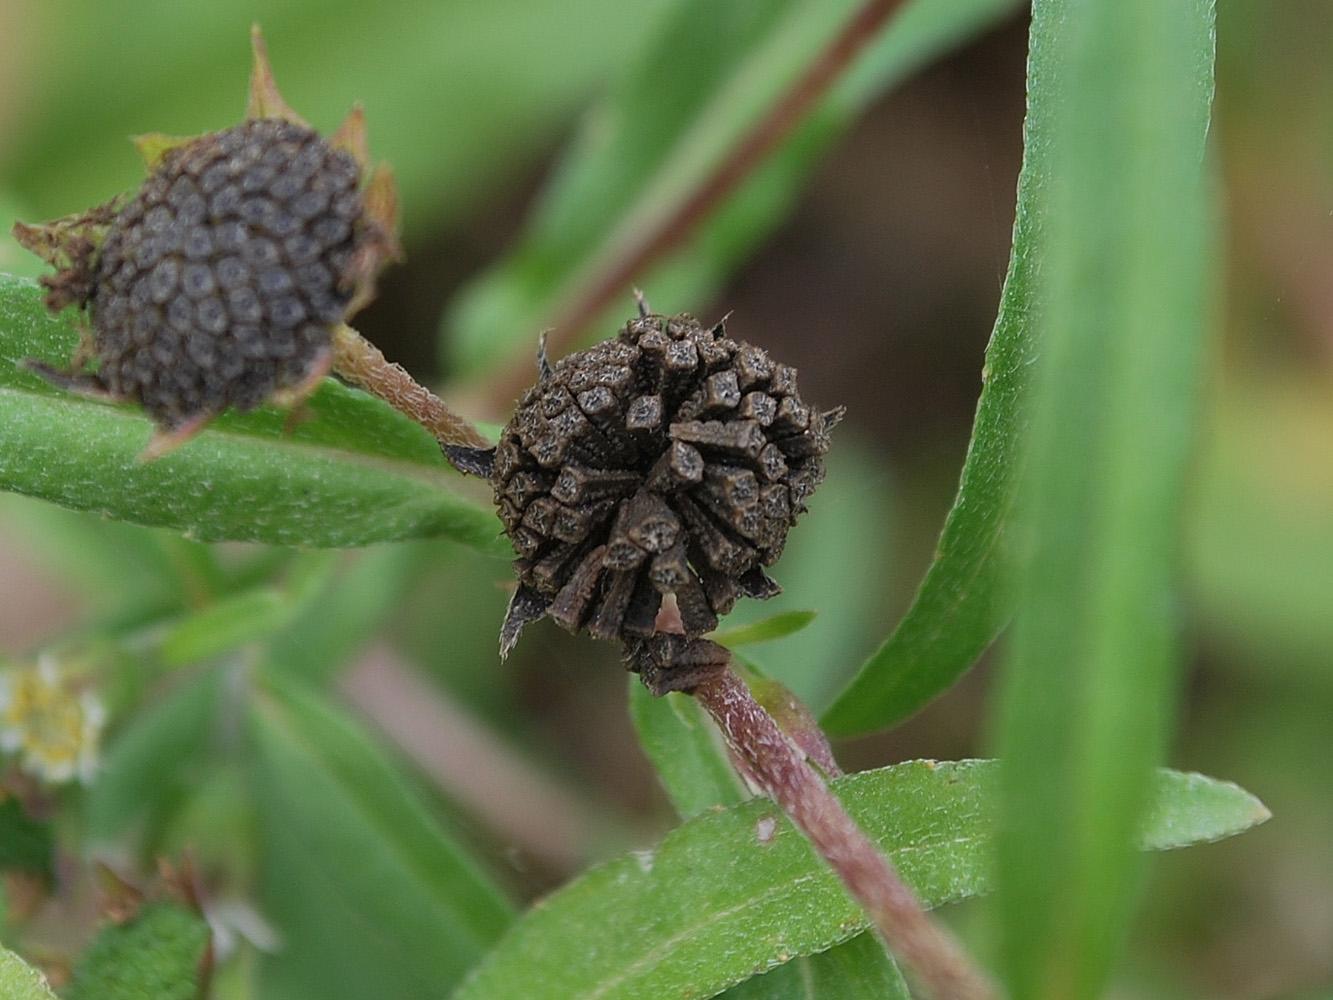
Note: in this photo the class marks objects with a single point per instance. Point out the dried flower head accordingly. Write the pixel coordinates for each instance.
(670, 460)
(55, 727)
(219, 283)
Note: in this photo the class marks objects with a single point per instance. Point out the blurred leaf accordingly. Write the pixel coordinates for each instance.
(371, 896)
(459, 97)
(1119, 94)
(20, 981)
(720, 898)
(156, 758)
(328, 629)
(116, 566)
(859, 969)
(247, 616)
(159, 954)
(26, 844)
(714, 71)
(777, 626)
(1189, 808)
(354, 472)
(1260, 540)
(685, 749)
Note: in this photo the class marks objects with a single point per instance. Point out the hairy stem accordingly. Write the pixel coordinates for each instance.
(768, 133)
(361, 362)
(783, 772)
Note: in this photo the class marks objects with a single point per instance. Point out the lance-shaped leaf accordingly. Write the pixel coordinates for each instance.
(351, 473)
(370, 894)
(1092, 666)
(735, 892)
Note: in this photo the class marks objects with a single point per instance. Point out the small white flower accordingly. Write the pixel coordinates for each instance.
(55, 727)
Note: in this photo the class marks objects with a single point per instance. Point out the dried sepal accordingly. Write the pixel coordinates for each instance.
(265, 100)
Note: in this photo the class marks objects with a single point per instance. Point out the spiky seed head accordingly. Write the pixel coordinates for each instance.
(670, 460)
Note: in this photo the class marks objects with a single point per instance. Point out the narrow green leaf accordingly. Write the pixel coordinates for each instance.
(963, 602)
(1092, 666)
(246, 616)
(685, 749)
(327, 630)
(20, 981)
(1190, 808)
(777, 626)
(738, 891)
(354, 472)
(371, 896)
(859, 969)
(225, 625)
(712, 74)
(156, 758)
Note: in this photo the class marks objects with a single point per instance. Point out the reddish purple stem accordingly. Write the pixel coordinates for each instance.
(774, 762)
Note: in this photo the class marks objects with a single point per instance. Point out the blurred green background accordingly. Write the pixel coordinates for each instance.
(881, 287)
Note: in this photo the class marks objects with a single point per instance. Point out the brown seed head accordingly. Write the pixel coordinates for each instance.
(219, 282)
(670, 460)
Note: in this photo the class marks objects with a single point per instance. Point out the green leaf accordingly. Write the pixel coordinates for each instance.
(20, 981)
(157, 955)
(26, 843)
(1124, 92)
(354, 472)
(859, 969)
(330, 628)
(685, 749)
(738, 891)
(777, 626)
(153, 762)
(963, 601)
(713, 73)
(459, 97)
(245, 617)
(371, 896)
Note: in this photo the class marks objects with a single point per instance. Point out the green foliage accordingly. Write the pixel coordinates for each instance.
(708, 79)
(220, 664)
(355, 472)
(1094, 662)
(733, 892)
(160, 953)
(20, 981)
(26, 844)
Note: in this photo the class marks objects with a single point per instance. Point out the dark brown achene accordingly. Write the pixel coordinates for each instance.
(668, 460)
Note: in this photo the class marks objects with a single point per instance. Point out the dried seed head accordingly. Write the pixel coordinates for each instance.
(669, 460)
(219, 283)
